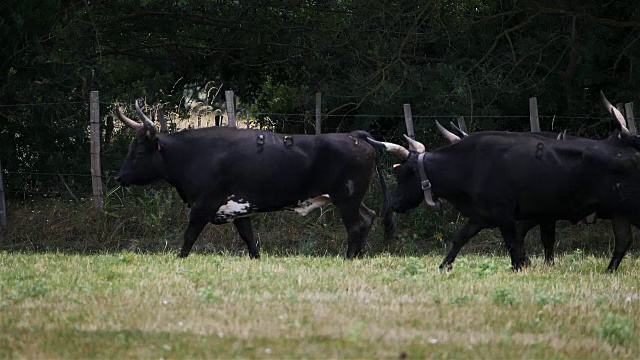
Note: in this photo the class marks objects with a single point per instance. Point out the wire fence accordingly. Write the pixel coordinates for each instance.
(41, 166)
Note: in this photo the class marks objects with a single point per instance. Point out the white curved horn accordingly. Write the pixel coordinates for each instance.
(464, 134)
(615, 112)
(147, 122)
(415, 145)
(562, 135)
(131, 123)
(400, 151)
(447, 134)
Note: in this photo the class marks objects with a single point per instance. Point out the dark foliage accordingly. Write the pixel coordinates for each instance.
(478, 59)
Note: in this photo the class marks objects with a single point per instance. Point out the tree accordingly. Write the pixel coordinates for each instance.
(472, 58)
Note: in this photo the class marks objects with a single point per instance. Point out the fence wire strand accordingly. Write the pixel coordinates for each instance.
(282, 122)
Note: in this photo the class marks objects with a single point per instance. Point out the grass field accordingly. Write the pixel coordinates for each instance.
(129, 305)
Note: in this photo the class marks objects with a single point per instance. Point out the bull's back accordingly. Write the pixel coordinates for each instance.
(525, 175)
(280, 170)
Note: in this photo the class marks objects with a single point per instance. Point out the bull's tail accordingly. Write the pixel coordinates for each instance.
(387, 214)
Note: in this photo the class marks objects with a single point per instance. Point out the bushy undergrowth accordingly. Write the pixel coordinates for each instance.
(154, 218)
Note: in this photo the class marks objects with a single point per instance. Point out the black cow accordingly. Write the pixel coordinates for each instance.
(227, 174)
(498, 178)
(547, 227)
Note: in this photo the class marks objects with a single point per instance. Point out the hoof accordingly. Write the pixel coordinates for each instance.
(351, 256)
(445, 267)
(516, 267)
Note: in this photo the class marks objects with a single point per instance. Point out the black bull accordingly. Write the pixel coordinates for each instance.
(226, 174)
(547, 228)
(498, 178)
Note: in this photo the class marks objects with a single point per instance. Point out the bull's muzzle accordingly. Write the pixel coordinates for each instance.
(121, 180)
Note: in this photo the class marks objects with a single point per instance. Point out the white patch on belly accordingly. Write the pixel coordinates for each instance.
(306, 206)
(232, 209)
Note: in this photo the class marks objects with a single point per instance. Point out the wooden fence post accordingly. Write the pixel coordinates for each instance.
(408, 120)
(631, 122)
(533, 114)
(163, 121)
(318, 113)
(231, 107)
(3, 205)
(96, 174)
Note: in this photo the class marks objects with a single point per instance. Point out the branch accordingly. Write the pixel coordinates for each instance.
(495, 43)
(615, 64)
(513, 51)
(68, 188)
(506, 13)
(594, 19)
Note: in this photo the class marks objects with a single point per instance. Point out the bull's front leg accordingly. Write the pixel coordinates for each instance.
(198, 218)
(515, 245)
(469, 230)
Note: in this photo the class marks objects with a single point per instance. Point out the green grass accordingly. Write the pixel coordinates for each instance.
(130, 305)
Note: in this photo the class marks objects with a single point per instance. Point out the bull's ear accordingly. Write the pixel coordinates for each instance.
(150, 132)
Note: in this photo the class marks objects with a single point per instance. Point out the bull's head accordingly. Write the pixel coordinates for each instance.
(143, 162)
(408, 192)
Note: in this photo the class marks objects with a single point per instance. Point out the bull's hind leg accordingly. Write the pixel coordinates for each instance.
(623, 238)
(515, 245)
(548, 238)
(547, 235)
(357, 219)
(469, 230)
(243, 225)
(366, 221)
